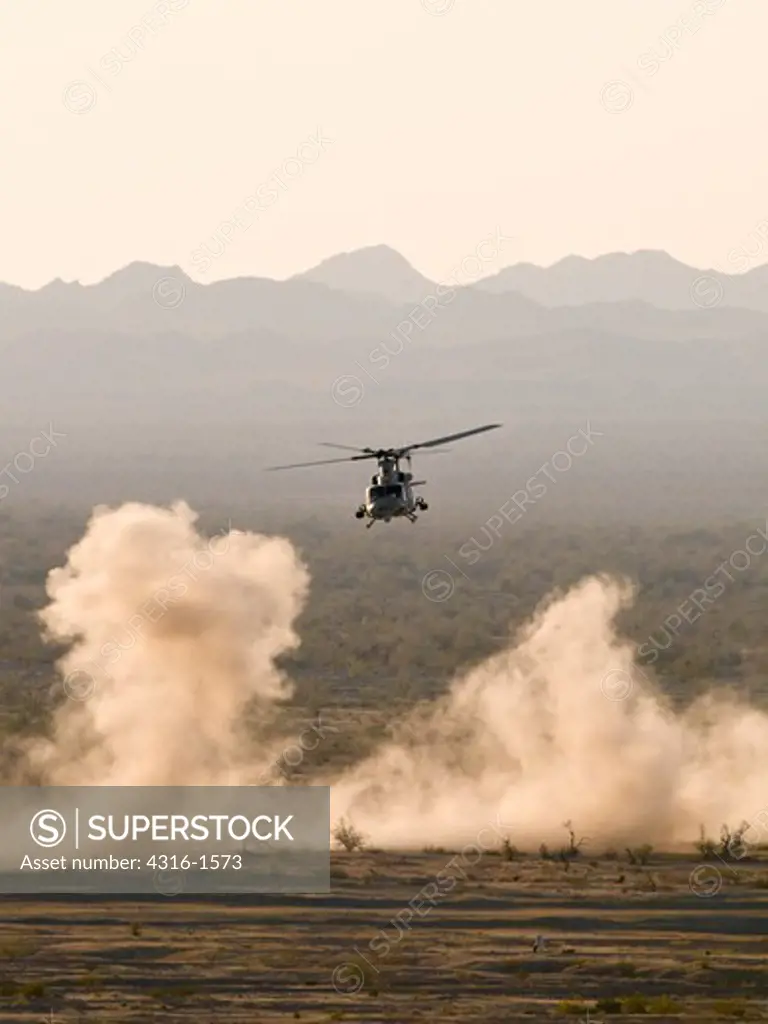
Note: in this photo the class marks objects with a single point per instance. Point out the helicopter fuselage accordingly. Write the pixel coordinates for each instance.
(390, 496)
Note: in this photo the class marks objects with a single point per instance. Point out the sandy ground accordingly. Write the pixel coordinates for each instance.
(436, 936)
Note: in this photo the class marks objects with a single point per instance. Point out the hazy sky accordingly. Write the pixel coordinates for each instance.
(449, 120)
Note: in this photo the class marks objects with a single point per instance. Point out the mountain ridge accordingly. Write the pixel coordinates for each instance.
(379, 272)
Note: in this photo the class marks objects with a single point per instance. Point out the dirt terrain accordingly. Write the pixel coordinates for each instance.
(434, 936)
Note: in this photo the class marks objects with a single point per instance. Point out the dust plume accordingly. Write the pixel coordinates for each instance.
(561, 726)
(173, 636)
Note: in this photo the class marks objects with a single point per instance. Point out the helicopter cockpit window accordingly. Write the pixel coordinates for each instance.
(390, 491)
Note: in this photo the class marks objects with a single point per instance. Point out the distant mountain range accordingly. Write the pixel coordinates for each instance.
(646, 276)
(651, 277)
(365, 294)
(151, 367)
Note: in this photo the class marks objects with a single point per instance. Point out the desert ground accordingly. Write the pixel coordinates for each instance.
(430, 936)
(485, 935)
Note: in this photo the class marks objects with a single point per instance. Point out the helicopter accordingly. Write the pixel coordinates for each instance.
(390, 494)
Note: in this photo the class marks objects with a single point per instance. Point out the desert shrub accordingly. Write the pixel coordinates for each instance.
(18, 949)
(706, 847)
(640, 854)
(573, 849)
(569, 1008)
(608, 1006)
(732, 845)
(508, 851)
(348, 837)
(664, 1005)
(634, 1004)
(730, 1008)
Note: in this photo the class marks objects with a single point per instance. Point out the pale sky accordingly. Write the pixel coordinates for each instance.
(445, 127)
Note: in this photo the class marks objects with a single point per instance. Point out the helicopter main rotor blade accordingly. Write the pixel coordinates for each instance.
(385, 453)
(450, 437)
(321, 462)
(343, 447)
(369, 452)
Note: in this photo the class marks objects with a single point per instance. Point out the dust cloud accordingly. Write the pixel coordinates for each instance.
(173, 636)
(561, 726)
